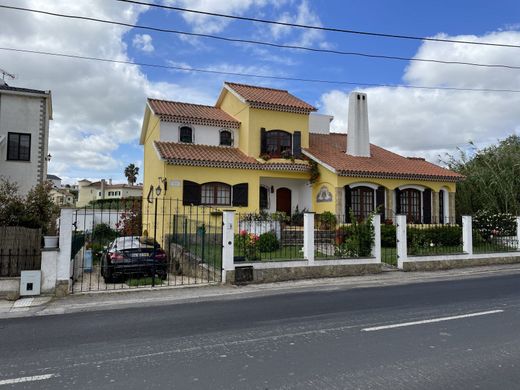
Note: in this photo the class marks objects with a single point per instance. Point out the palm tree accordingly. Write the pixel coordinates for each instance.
(131, 172)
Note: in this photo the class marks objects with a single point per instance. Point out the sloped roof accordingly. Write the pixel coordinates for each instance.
(218, 157)
(270, 98)
(330, 150)
(53, 177)
(196, 114)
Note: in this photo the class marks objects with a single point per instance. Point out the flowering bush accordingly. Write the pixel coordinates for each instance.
(490, 225)
(248, 242)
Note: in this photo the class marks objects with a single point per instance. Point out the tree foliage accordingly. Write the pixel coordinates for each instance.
(131, 172)
(492, 178)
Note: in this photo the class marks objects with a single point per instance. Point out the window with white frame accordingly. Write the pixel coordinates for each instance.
(216, 194)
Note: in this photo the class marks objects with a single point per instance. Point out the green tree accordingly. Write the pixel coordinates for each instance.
(131, 172)
(492, 177)
(12, 208)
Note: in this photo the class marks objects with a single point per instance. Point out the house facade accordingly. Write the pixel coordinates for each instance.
(100, 190)
(24, 135)
(265, 149)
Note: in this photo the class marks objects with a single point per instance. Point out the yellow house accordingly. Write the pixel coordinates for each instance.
(264, 149)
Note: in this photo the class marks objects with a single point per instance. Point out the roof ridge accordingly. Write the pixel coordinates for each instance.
(186, 103)
(256, 86)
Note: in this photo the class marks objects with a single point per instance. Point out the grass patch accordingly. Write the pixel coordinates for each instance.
(144, 281)
(284, 253)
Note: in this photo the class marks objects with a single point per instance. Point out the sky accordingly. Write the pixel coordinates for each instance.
(98, 106)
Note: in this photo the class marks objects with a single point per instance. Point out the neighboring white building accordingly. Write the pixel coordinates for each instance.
(24, 135)
(55, 181)
(91, 191)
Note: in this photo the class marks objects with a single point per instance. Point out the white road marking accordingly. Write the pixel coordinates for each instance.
(432, 320)
(26, 379)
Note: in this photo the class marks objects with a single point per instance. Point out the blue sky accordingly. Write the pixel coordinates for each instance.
(98, 107)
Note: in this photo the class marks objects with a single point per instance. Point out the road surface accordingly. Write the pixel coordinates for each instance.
(437, 335)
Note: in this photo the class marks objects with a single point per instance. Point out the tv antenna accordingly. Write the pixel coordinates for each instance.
(6, 73)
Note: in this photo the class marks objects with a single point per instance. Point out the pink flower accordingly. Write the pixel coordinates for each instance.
(243, 233)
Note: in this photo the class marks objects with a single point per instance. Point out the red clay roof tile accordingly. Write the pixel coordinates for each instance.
(330, 149)
(270, 98)
(196, 114)
(218, 156)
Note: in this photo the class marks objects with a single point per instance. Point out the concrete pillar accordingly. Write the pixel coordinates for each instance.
(467, 234)
(49, 270)
(518, 232)
(228, 243)
(402, 250)
(63, 265)
(435, 207)
(376, 248)
(308, 237)
(340, 201)
(451, 201)
(389, 204)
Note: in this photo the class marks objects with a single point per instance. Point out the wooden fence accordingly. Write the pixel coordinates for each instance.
(20, 249)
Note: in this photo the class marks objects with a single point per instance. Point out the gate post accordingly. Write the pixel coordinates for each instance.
(228, 243)
(518, 232)
(308, 237)
(402, 250)
(467, 234)
(63, 266)
(376, 247)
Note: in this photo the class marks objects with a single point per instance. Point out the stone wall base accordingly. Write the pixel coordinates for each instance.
(62, 288)
(271, 275)
(462, 263)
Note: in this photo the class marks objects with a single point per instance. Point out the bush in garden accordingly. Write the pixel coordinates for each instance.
(435, 236)
(103, 234)
(490, 224)
(388, 236)
(248, 243)
(268, 242)
(359, 238)
(327, 220)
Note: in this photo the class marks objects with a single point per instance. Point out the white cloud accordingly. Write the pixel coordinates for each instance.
(97, 106)
(431, 123)
(143, 42)
(210, 24)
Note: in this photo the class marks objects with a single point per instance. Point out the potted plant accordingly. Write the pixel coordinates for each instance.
(50, 237)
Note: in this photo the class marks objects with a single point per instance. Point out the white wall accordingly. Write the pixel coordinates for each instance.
(204, 135)
(319, 123)
(87, 219)
(21, 114)
(301, 193)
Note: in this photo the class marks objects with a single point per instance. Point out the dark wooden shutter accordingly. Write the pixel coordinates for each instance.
(190, 193)
(297, 144)
(397, 201)
(263, 141)
(427, 206)
(380, 202)
(240, 194)
(348, 203)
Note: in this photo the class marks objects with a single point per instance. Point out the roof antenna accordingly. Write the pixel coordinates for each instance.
(6, 73)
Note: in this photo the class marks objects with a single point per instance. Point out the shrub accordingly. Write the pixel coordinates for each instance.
(490, 224)
(388, 236)
(359, 238)
(327, 220)
(297, 217)
(435, 236)
(103, 234)
(268, 242)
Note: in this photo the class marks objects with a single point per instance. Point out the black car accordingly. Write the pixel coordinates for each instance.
(133, 256)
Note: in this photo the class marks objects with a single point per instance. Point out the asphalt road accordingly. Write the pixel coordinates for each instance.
(440, 335)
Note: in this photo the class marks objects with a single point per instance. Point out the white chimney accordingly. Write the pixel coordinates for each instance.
(358, 142)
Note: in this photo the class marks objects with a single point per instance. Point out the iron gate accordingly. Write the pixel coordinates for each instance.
(125, 244)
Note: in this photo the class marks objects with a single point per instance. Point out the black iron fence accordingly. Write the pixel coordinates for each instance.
(13, 261)
(130, 244)
(442, 237)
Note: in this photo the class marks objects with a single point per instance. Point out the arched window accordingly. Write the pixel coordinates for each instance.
(362, 202)
(215, 194)
(186, 134)
(277, 142)
(226, 138)
(410, 204)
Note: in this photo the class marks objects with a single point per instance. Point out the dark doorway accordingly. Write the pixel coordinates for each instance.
(283, 200)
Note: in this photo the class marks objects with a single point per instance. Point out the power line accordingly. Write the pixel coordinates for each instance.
(262, 43)
(320, 28)
(239, 74)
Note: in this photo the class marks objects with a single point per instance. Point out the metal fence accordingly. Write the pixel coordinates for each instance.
(442, 237)
(131, 244)
(13, 261)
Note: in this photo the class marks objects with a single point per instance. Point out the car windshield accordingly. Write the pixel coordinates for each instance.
(134, 242)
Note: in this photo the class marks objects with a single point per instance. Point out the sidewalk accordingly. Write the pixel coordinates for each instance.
(188, 294)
